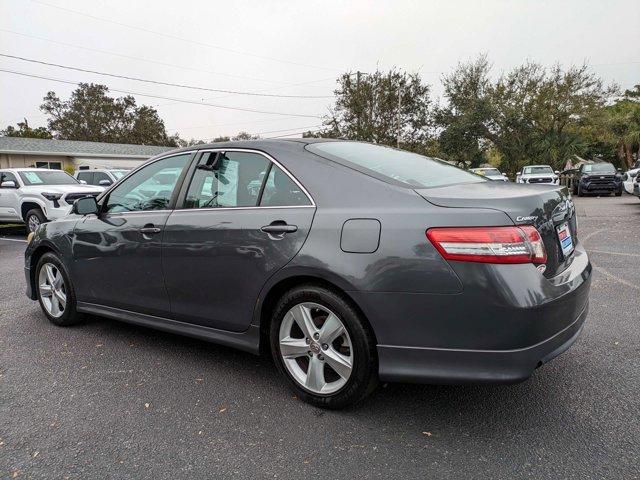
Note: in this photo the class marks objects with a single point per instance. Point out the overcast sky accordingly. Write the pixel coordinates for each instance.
(270, 46)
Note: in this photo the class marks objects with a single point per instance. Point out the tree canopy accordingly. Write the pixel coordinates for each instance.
(24, 130)
(90, 114)
(530, 114)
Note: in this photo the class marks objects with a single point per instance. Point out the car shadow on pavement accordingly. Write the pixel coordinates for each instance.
(419, 407)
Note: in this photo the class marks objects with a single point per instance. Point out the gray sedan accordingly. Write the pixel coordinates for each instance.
(350, 264)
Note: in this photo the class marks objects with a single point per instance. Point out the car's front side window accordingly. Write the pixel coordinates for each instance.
(85, 176)
(150, 188)
(98, 176)
(227, 179)
(8, 177)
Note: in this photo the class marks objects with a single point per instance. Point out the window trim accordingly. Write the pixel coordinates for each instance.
(179, 206)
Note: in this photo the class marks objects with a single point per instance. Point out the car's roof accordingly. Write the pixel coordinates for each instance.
(537, 166)
(261, 144)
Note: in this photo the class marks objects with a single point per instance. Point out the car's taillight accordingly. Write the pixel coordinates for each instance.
(489, 244)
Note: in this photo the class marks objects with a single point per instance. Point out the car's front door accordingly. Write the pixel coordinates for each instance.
(9, 198)
(117, 254)
(242, 219)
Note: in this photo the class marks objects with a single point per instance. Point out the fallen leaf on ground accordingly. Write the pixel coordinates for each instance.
(222, 410)
(428, 434)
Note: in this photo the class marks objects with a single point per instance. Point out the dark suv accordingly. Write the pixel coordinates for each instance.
(597, 178)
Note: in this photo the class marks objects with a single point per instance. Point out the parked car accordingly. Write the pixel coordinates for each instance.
(100, 176)
(538, 174)
(37, 195)
(491, 173)
(636, 187)
(600, 178)
(628, 179)
(352, 263)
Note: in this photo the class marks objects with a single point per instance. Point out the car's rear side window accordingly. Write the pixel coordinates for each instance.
(399, 166)
(281, 191)
(227, 179)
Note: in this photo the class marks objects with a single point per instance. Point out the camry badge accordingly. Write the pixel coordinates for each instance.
(532, 218)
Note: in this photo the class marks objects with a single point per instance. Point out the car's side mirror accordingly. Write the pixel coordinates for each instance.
(504, 174)
(557, 172)
(104, 183)
(83, 182)
(8, 184)
(519, 173)
(85, 206)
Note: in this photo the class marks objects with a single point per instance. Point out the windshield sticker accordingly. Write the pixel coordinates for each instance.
(33, 177)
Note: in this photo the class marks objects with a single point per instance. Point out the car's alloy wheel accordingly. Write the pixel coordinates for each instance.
(316, 348)
(33, 222)
(55, 291)
(52, 290)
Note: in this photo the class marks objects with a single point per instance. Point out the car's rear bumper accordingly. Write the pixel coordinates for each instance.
(507, 320)
(450, 366)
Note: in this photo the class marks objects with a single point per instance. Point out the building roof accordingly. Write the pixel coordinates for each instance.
(73, 148)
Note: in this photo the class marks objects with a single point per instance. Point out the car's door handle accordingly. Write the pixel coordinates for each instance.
(150, 230)
(279, 227)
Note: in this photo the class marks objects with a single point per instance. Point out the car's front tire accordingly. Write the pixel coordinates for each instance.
(34, 218)
(619, 192)
(55, 291)
(323, 347)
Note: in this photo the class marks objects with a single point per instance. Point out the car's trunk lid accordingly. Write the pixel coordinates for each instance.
(545, 207)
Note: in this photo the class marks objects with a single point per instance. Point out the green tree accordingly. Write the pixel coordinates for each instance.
(92, 115)
(245, 136)
(622, 127)
(463, 121)
(380, 107)
(528, 115)
(24, 130)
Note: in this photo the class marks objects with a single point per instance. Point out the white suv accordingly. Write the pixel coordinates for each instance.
(101, 176)
(38, 195)
(538, 174)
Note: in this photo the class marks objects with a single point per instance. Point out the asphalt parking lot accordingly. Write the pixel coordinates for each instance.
(110, 400)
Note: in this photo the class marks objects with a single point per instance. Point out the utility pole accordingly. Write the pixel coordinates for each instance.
(399, 126)
(358, 105)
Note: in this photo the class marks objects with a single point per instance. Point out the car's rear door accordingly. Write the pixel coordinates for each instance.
(117, 254)
(243, 217)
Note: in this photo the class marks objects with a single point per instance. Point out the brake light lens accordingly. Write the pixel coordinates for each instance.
(521, 244)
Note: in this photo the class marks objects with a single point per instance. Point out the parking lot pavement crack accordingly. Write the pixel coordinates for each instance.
(610, 275)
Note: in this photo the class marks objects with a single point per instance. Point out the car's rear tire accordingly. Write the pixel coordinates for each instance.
(34, 218)
(579, 192)
(55, 292)
(323, 347)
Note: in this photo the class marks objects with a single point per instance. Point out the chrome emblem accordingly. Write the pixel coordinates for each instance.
(532, 218)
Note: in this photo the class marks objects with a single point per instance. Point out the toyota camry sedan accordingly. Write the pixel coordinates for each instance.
(349, 263)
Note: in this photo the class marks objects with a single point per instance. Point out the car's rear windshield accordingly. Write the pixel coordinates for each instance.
(599, 168)
(411, 169)
(528, 170)
(47, 177)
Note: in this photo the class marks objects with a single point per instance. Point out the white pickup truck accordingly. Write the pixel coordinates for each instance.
(37, 195)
